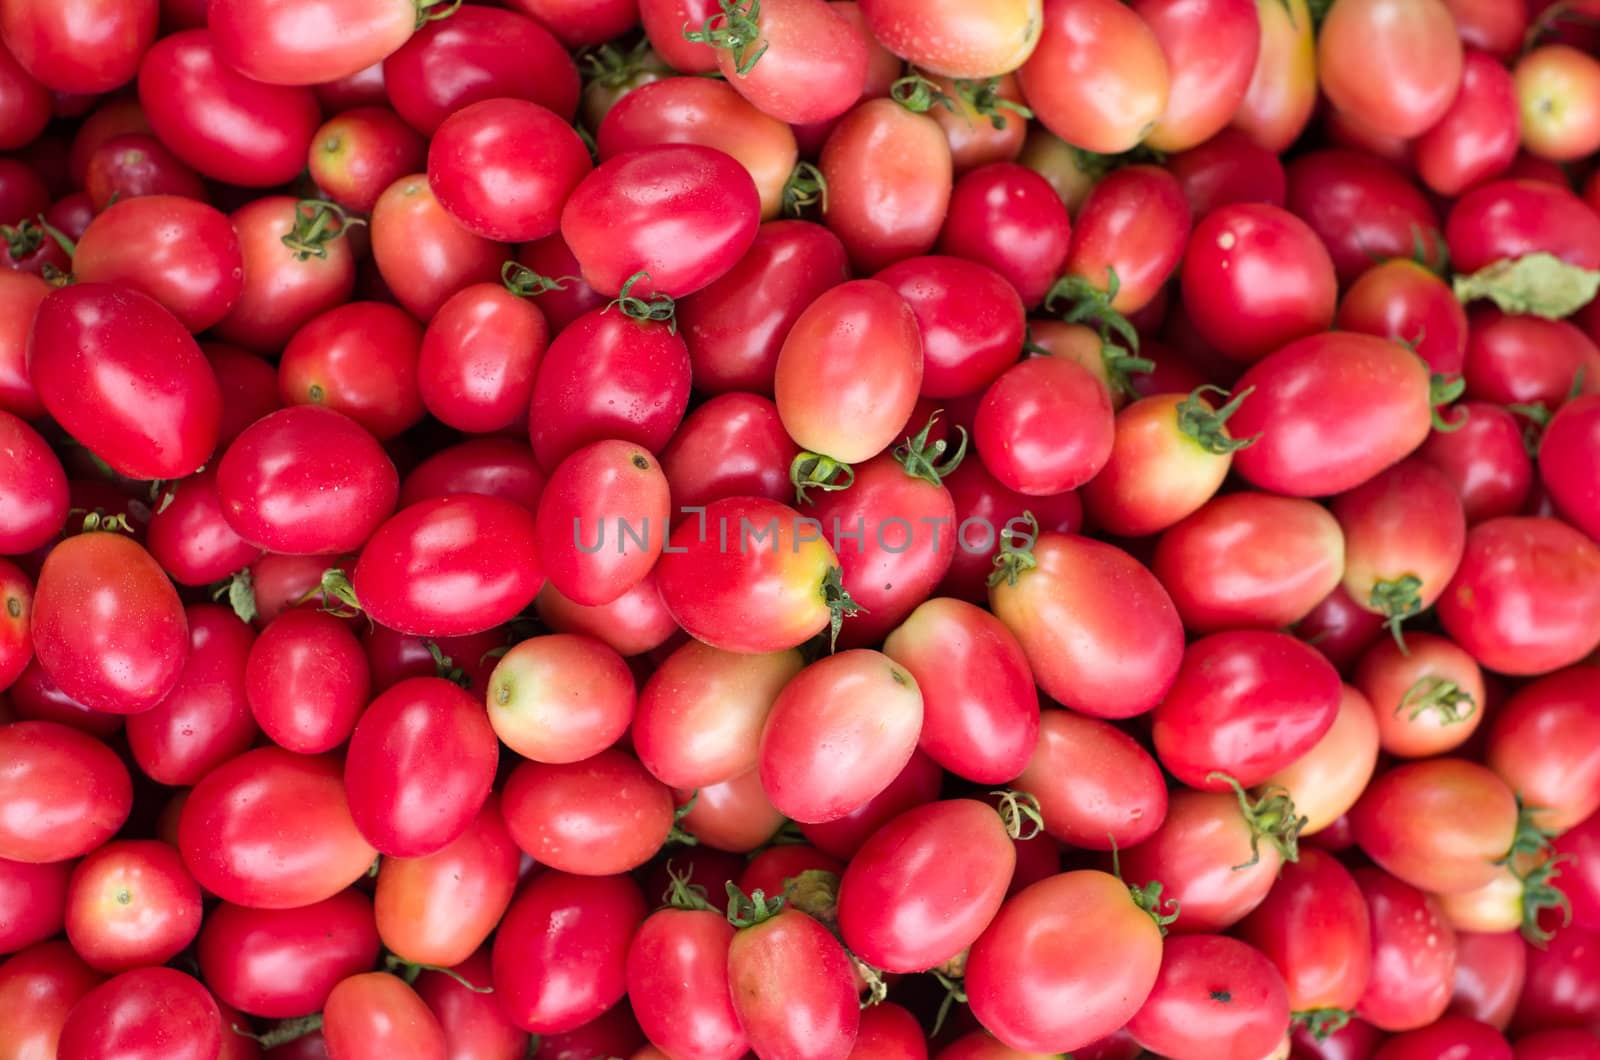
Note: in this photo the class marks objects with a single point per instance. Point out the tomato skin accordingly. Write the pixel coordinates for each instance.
(125, 378)
(1558, 96)
(488, 53)
(281, 963)
(39, 986)
(1494, 608)
(889, 175)
(20, 296)
(1363, 210)
(378, 1012)
(1477, 137)
(1557, 1044)
(1567, 462)
(1247, 1021)
(24, 103)
(733, 445)
(1098, 77)
(677, 974)
(560, 954)
(357, 153)
(436, 569)
(84, 47)
(1401, 300)
(219, 121)
(359, 359)
(1365, 400)
(1159, 473)
(1413, 954)
(1095, 785)
(1404, 522)
(1559, 990)
(819, 727)
(1418, 46)
(189, 536)
(1314, 926)
(1471, 815)
(288, 44)
(1450, 1038)
(733, 815)
(1485, 461)
(1517, 359)
(609, 482)
(1007, 217)
(980, 709)
(16, 623)
(33, 495)
(1038, 978)
(970, 318)
(1489, 972)
(1136, 221)
(1398, 683)
(1328, 779)
(35, 897)
(793, 988)
(281, 292)
(914, 785)
(307, 681)
(246, 839)
(1282, 93)
(144, 1014)
(1083, 603)
(560, 698)
(608, 376)
(954, 40)
(1540, 744)
(419, 767)
(499, 467)
(1211, 48)
(160, 906)
(1510, 218)
(598, 817)
(479, 356)
(1022, 433)
(423, 255)
(474, 1026)
(808, 44)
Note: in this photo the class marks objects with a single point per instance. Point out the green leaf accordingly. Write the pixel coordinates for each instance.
(1539, 284)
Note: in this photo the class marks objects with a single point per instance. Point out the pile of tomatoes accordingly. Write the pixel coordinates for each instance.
(858, 530)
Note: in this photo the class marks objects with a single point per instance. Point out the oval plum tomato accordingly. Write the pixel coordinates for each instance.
(145, 1014)
(1471, 820)
(732, 815)
(681, 213)
(16, 623)
(980, 122)
(423, 255)
(359, 359)
(379, 1012)
(272, 830)
(450, 566)
(285, 44)
(33, 496)
(1427, 697)
(25, 104)
(1496, 607)
(1097, 788)
(1212, 992)
(677, 975)
(925, 886)
(792, 984)
(916, 784)
(486, 53)
(1044, 426)
(980, 717)
(190, 537)
(437, 909)
(735, 326)
(1567, 465)
(226, 125)
(598, 817)
(206, 718)
(1129, 235)
(562, 305)
(107, 624)
(306, 680)
(824, 753)
(1363, 210)
(1255, 278)
(1541, 744)
(125, 378)
(499, 467)
(80, 48)
(420, 765)
(1282, 93)
(1073, 604)
(20, 295)
(281, 963)
(1332, 410)
(1450, 1038)
(734, 445)
(1413, 954)
(1486, 460)
(131, 903)
(1007, 217)
(66, 791)
(1211, 48)
(1098, 77)
(1512, 218)
(983, 509)
(1229, 168)
(473, 1022)
(1245, 703)
(1042, 978)
(1416, 43)
(39, 986)
(1559, 989)
(1558, 97)
(560, 954)
(849, 371)
(188, 257)
(503, 168)
(466, 661)
(560, 698)
(970, 318)
(888, 172)
(954, 39)
(1477, 137)
(1526, 360)
(1402, 300)
(1314, 927)
(610, 489)
(700, 715)
(1490, 969)
(663, 22)
(36, 898)
(296, 265)
(797, 60)
(357, 154)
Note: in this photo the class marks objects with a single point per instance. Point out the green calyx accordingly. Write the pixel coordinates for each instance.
(525, 283)
(1207, 426)
(1539, 284)
(1531, 839)
(806, 187)
(736, 29)
(1440, 695)
(239, 591)
(1321, 1022)
(1149, 899)
(434, 10)
(612, 67)
(1397, 599)
(316, 224)
(445, 666)
(1442, 390)
(22, 239)
(678, 836)
(840, 604)
(337, 594)
(658, 308)
(396, 965)
(1077, 301)
(98, 521)
(1271, 817)
(926, 460)
(920, 95)
(681, 894)
(1019, 812)
(813, 471)
(1539, 893)
(815, 892)
(984, 97)
(284, 1033)
(748, 910)
(1016, 551)
(955, 992)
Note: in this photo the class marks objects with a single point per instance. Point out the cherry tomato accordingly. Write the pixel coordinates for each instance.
(423, 255)
(970, 318)
(1282, 93)
(1489, 975)
(81, 47)
(1363, 210)
(916, 784)
(1044, 426)
(609, 486)
(1551, 1045)
(1477, 137)
(282, 963)
(1485, 460)
(1526, 360)
(1413, 954)
(1212, 993)
(24, 102)
(131, 903)
(598, 817)
(560, 698)
(35, 902)
(1511, 218)
(792, 986)
(307, 681)
(1428, 697)
(283, 44)
(189, 536)
(888, 171)
(145, 1014)
(1097, 788)
(1559, 990)
(296, 266)
(677, 974)
(1211, 48)
(1130, 233)
(378, 1012)
(1007, 217)
(1558, 96)
(810, 63)
(1417, 47)
(1401, 300)
(39, 986)
(359, 359)
(1540, 745)
(734, 445)
(1471, 817)
(1098, 78)
(33, 497)
(499, 467)
(20, 296)
(360, 152)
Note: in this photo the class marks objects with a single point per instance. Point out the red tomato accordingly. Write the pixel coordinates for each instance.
(1489, 974)
(33, 495)
(129, 166)
(677, 974)
(131, 903)
(226, 125)
(1427, 696)
(1541, 745)
(1007, 217)
(1211, 48)
(1477, 137)
(1567, 462)
(295, 267)
(1129, 235)
(86, 46)
(499, 467)
(1449, 1038)
(1527, 360)
(733, 815)
(1413, 954)
(1213, 993)
(422, 254)
(379, 1013)
(503, 168)
(1558, 95)
(1512, 218)
(1401, 300)
(1315, 929)
(734, 445)
(798, 60)
(1363, 210)
(145, 1014)
(35, 898)
(287, 44)
(478, 358)
(281, 963)
(916, 784)
(1486, 461)
(1559, 990)
(792, 984)
(1415, 44)
(609, 482)
(888, 173)
(359, 359)
(38, 987)
(1229, 168)
(955, 40)
(125, 378)
(272, 830)
(24, 102)
(560, 699)
(307, 681)
(599, 817)
(970, 318)
(1067, 961)
(823, 752)
(474, 1025)
(1097, 788)
(1558, 1045)
(20, 295)
(1044, 426)
(1098, 78)
(358, 153)
(1471, 819)
(560, 953)
(190, 537)
(16, 623)
(1494, 608)
(438, 568)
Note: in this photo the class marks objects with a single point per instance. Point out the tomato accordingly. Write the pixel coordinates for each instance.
(1540, 745)
(1558, 96)
(1363, 210)
(1428, 696)
(499, 467)
(560, 954)
(156, 413)
(1417, 45)
(1485, 460)
(1073, 603)
(306, 680)
(437, 568)
(1042, 977)
(1213, 993)
(1477, 137)
(1366, 401)
(38, 987)
(1098, 78)
(1097, 788)
(609, 482)
(1471, 817)
(792, 984)
(35, 897)
(733, 815)
(474, 1026)
(280, 583)
(189, 536)
(970, 318)
(423, 255)
(281, 963)
(296, 266)
(1559, 990)
(144, 1014)
(358, 153)
(955, 40)
(1511, 218)
(797, 60)
(1401, 300)
(1526, 360)
(226, 125)
(272, 830)
(1551, 1045)
(561, 698)
(24, 102)
(733, 445)
(1413, 954)
(81, 47)
(677, 973)
(1129, 235)
(1494, 608)
(476, 366)
(612, 376)
(1044, 426)
(16, 623)
(849, 371)
(33, 496)
(1211, 48)
(282, 44)
(1282, 92)
(131, 903)
(478, 53)
(1006, 216)
(359, 359)
(598, 817)
(20, 296)
(914, 785)
(378, 1012)
(1489, 973)
(1566, 462)
(1451, 1038)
